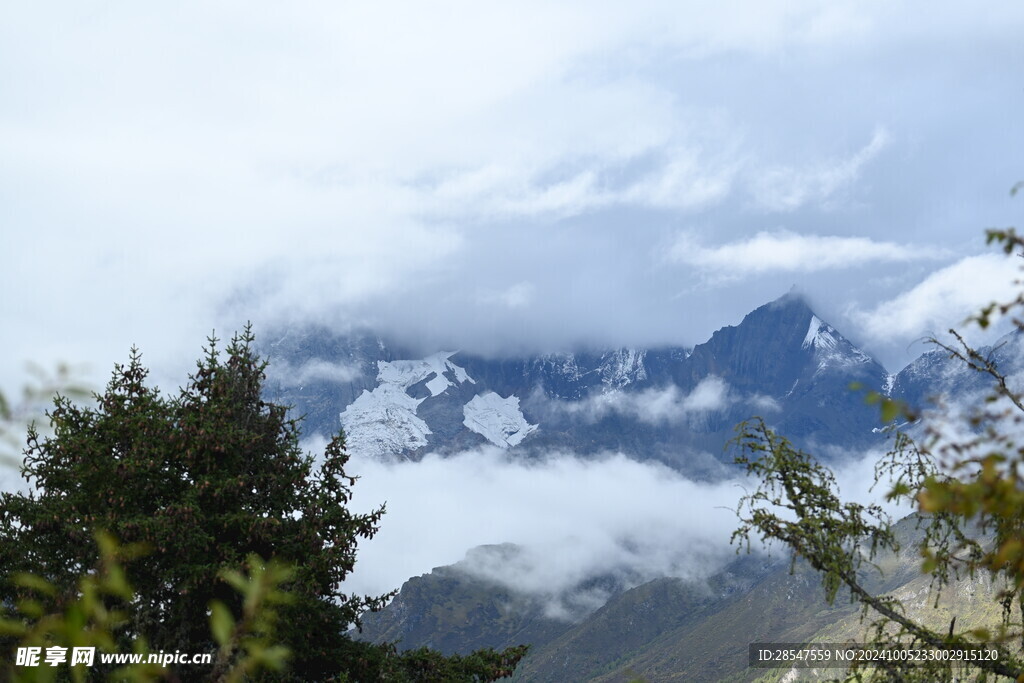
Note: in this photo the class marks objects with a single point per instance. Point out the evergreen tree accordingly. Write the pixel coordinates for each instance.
(201, 480)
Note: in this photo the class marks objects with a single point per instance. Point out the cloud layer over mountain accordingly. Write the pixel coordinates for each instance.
(528, 176)
(573, 518)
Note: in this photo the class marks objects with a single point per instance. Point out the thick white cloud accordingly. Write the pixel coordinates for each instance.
(791, 252)
(311, 371)
(944, 299)
(499, 175)
(572, 518)
(616, 515)
(166, 172)
(710, 394)
(653, 406)
(765, 404)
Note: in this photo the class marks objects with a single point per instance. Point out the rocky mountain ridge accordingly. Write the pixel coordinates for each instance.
(674, 629)
(674, 404)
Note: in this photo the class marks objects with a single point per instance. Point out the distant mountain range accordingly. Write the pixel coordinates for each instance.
(671, 629)
(675, 405)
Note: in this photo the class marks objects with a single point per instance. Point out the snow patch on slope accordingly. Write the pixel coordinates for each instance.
(383, 422)
(406, 373)
(622, 367)
(497, 419)
(829, 347)
(819, 335)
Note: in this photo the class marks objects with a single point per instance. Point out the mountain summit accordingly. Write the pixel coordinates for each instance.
(775, 346)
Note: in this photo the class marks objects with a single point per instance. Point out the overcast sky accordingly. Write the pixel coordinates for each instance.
(495, 176)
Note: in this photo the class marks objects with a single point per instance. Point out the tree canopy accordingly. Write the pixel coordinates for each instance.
(203, 481)
(965, 480)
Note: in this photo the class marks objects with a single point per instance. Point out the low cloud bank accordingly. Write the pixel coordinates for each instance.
(311, 371)
(573, 520)
(785, 251)
(658, 405)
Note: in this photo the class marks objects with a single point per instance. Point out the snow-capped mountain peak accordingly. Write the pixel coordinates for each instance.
(393, 404)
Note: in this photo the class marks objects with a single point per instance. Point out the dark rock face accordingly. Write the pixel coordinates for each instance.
(671, 404)
(451, 610)
(764, 353)
(667, 629)
(300, 372)
(782, 351)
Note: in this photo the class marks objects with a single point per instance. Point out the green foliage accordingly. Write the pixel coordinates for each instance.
(889, 409)
(829, 534)
(968, 489)
(200, 484)
(201, 480)
(89, 620)
(101, 608)
(247, 645)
